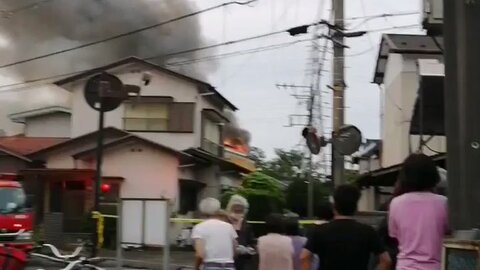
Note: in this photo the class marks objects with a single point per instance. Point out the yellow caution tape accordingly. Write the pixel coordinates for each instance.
(100, 227)
(196, 221)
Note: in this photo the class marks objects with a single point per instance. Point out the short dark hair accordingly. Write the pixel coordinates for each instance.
(275, 223)
(346, 200)
(324, 211)
(418, 173)
(292, 226)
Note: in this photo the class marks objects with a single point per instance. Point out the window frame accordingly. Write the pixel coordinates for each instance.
(157, 100)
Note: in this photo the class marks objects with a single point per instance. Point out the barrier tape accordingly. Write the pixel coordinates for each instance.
(196, 221)
(100, 226)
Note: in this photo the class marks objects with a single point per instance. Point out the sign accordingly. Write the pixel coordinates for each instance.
(347, 140)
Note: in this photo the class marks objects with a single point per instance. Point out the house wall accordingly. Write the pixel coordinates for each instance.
(49, 125)
(9, 164)
(367, 200)
(84, 118)
(368, 165)
(150, 173)
(400, 92)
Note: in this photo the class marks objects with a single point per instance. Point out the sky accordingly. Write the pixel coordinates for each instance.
(249, 81)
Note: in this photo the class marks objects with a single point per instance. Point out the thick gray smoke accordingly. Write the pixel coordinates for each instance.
(58, 24)
(28, 30)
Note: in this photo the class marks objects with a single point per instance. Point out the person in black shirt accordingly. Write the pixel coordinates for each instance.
(344, 244)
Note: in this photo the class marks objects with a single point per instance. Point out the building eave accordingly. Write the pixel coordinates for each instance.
(20, 117)
(183, 157)
(203, 85)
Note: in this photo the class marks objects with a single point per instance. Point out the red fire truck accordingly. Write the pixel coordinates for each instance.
(16, 217)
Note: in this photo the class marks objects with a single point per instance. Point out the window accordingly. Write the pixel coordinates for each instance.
(211, 141)
(146, 116)
(159, 116)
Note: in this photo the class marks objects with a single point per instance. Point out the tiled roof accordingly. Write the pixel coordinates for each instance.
(27, 145)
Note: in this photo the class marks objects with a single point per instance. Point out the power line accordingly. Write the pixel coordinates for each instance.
(217, 45)
(11, 12)
(406, 13)
(237, 53)
(381, 16)
(126, 33)
(193, 50)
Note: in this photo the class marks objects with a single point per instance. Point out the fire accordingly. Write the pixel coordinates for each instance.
(236, 145)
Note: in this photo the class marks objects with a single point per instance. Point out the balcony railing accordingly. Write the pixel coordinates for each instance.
(212, 147)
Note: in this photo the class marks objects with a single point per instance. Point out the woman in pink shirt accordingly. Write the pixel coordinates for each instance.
(418, 219)
(275, 250)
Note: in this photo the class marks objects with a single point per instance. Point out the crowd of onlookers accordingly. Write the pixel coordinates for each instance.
(409, 238)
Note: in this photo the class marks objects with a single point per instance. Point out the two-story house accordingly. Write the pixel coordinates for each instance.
(409, 79)
(165, 143)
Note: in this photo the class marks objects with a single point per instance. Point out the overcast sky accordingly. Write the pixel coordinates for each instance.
(249, 80)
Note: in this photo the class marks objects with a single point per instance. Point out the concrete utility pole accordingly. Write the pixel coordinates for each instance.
(338, 163)
(462, 104)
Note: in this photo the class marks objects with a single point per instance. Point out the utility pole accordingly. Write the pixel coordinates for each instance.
(338, 165)
(462, 113)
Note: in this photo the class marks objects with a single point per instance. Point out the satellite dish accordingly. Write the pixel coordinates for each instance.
(105, 89)
(347, 140)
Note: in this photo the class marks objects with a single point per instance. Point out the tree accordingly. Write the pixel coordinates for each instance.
(263, 194)
(286, 166)
(296, 196)
(258, 156)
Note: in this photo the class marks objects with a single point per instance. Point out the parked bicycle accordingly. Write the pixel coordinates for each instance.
(72, 261)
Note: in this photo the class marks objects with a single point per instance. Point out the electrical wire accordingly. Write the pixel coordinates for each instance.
(394, 27)
(186, 51)
(236, 53)
(6, 14)
(434, 151)
(435, 40)
(381, 16)
(216, 45)
(126, 33)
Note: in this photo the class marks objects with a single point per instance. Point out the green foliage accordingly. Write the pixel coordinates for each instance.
(351, 176)
(289, 167)
(262, 192)
(296, 196)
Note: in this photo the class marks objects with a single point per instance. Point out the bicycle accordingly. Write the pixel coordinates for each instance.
(71, 261)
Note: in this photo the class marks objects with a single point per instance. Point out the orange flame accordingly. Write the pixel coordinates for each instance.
(236, 145)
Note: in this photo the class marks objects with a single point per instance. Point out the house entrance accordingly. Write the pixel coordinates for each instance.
(70, 198)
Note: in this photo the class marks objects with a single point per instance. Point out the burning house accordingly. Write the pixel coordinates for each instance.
(178, 140)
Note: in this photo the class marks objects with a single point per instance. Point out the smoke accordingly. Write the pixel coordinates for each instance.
(233, 131)
(31, 30)
(59, 24)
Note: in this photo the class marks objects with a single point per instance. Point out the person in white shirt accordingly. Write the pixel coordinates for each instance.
(215, 240)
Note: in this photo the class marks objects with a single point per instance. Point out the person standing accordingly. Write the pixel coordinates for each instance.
(274, 249)
(237, 209)
(215, 240)
(418, 219)
(344, 244)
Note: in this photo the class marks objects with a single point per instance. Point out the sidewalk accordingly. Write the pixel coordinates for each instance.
(152, 259)
(146, 259)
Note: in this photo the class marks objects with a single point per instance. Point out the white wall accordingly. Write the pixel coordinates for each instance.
(368, 165)
(367, 201)
(49, 125)
(84, 119)
(150, 173)
(400, 92)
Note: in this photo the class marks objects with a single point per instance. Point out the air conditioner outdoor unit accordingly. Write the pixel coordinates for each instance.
(433, 16)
